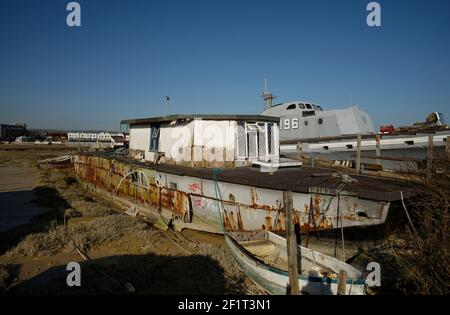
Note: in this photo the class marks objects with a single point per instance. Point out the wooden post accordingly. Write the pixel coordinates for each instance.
(448, 146)
(430, 155)
(299, 150)
(377, 149)
(291, 244)
(342, 282)
(358, 154)
(309, 220)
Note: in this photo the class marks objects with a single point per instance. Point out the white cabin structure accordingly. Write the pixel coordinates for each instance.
(204, 140)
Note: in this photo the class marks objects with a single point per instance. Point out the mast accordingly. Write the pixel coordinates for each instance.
(267, 96)
(167, 105)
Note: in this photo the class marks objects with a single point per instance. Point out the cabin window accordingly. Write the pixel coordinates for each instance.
(302, 106)
(255, 140)
(292, 106)
(319, 107)
(241, 140)
(315, 107)
(362, 214)
(270, 138)
(252, 140)
(308, 106)
(154, 138)
(307, 113)
(320, 121)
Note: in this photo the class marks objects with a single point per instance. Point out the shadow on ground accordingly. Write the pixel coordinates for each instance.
(44, 198)
(149, 274)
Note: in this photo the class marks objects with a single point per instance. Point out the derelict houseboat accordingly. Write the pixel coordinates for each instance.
(187, 168)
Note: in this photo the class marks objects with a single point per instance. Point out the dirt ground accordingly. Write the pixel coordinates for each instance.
(17, 197)
(49, 221)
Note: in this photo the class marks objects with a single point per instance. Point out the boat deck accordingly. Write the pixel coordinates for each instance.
(296, 179)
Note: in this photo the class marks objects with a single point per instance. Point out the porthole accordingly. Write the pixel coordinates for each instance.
(306, 123)
(320, 121)
(158, 180)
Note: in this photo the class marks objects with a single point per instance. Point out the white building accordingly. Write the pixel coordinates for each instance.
(204, 140)
(91, 136)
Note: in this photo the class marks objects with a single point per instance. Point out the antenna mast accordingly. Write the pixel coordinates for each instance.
(167, 105)
(267, 96)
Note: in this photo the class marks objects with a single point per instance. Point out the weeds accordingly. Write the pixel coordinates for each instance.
(92, 209)
(84, 235)
(423, 260)
(41, 244)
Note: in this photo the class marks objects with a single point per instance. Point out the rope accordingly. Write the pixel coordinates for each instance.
(216, 172)
(407, 213)
(338, 219)
(127, 285)
(277, 216)
(120, 182)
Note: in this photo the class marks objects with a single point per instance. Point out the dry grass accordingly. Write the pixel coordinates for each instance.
(80, 200)
(85, 235)
(424, 257)
(92, 209)
(41, 244)
(109, 228)
(13, 155)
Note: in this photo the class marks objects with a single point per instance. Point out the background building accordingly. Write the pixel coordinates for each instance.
(9, 132)
(93, 136)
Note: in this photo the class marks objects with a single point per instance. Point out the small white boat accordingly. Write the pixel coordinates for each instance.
(262, 255)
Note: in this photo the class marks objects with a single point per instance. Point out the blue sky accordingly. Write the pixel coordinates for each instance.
(212, 57)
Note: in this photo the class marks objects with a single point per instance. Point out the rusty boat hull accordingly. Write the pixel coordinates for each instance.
(248, 198)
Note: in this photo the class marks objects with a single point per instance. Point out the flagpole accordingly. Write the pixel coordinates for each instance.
(167, 105)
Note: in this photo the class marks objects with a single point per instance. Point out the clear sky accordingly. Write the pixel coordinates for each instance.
(212, 57)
